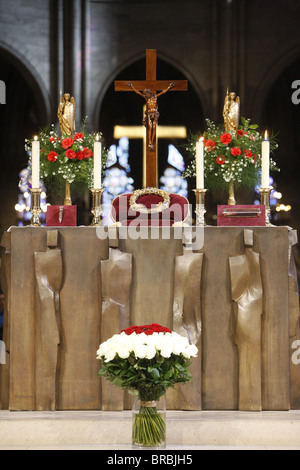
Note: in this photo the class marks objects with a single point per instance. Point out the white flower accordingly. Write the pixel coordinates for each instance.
(109, 356)
(146, 346)
(123, 352)
(140, 351)
(190, 351)
(151, 351)
(166, 351)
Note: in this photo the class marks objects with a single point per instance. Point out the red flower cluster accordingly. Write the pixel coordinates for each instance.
(69, 152)
(147, 329)
(225, 138)
(235, 151)
(52, 156)
(220, 160)
(210, 144)
(67, 142)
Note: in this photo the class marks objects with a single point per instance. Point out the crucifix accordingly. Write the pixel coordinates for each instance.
(148, 90)
(139, 132)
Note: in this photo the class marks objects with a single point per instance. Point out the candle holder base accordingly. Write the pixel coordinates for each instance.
(265, 200)
(35, 207)
(97, 209)
(200, 210)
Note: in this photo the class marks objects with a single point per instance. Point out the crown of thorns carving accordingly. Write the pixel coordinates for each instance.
(155, 208)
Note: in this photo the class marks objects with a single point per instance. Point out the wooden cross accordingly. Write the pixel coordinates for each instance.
(139, 132)
(152, 114)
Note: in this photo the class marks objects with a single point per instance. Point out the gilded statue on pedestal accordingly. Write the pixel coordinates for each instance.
(231, 112)
(66, 115)
(231, 115)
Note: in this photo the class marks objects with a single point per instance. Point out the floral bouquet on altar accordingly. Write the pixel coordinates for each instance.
(64, 158)
(147, 360)
(229, 157)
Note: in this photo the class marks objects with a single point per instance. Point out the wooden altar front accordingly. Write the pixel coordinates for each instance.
(232, 292)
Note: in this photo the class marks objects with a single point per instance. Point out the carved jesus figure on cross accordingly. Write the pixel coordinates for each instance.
(148, 90)
(151, 114)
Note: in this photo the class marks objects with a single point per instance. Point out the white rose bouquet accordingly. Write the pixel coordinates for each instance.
(147, 360)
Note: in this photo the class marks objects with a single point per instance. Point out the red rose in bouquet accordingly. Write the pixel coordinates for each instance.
(225, 138)
(67, 142)
(52, 156)
(78, 135)
(210, 144)
(235, 151)
(220, 160)
(147, 329)
(70, 154)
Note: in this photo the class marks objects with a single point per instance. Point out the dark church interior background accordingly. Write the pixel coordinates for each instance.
(82, 47)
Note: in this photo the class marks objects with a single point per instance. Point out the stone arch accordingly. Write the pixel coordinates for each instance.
(176, 109)
(137, 57)
(274, 72)
(15, 54)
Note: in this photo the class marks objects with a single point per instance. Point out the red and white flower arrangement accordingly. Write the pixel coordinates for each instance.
(64, 158)
(229, 156)
(146, 360)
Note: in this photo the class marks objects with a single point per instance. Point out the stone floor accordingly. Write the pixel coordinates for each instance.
(189, 430)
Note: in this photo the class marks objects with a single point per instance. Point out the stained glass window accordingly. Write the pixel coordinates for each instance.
(172, 181)
(117, 179)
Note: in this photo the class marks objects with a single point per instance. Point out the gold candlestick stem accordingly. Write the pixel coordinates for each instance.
(97, 209)
(200, 210)
(35, 207)
(265, 200)
(68, 200)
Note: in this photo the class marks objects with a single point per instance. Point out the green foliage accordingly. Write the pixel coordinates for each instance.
(60, 163)
(150, 378)
(238, 159)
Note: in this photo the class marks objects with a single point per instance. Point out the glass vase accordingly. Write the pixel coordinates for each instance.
(149, 423)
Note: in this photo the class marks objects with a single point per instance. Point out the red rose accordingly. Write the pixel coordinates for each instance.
(67, 143)
(52, 139)
(248, 153)
(240, 132)
(220, 160)
(147, 329)
(235, 151)
(87, 153)
(79, 155)
(210, 144)
(225, 138)
(78, 135)
(70, 154)
(52, 156)
(149, 332)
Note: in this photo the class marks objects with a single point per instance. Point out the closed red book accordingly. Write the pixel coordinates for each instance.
(61, 216)
(239, 216)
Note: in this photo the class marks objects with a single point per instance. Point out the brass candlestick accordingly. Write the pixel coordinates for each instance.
(35, 206)
(265, 200)
(200, 210)
(97, 209)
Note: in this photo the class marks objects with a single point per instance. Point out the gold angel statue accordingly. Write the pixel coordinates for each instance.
(231, 112)
(66, 114)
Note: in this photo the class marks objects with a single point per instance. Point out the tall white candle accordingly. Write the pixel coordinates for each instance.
(97, 163)
(265, 162)
(35, 161)
(200, 164)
